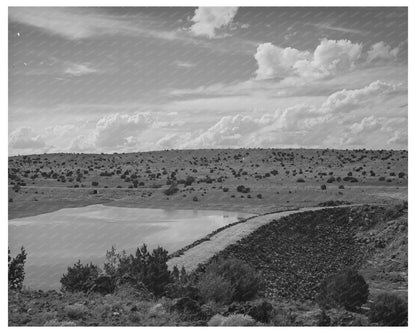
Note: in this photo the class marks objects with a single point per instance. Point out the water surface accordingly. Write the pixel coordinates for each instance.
(58, 239)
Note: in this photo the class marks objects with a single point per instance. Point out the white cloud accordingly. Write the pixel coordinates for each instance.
(382, 52)
(228, 131)
(399, 138)
(79, 69)
(207, 20)
(274, 61)
(347, 100)
(330, 57)
(26, 138)
(184, 64)
(332, 124)
(75, 23)
(336, 55)
(117, 130)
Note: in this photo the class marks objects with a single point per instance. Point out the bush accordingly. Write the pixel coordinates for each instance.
(148, 269)
(79, 277)
(171, 190)
(243, 189)
(94, 183)
(243, 279)
(330, 179)
(76, 311)
(232, 320)
(213, 287)
(347, 289)
(389, 310)
(323, 187)
(189, 180)
(300, 180)
(17, 270)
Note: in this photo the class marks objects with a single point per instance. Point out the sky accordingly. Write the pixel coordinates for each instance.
(114, 79)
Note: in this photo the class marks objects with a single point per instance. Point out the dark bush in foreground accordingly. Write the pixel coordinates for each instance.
(16, 270)
(389, 310)
(214, 287)
(144, 268)
(347, 289)
(238, 281)
(80, 277)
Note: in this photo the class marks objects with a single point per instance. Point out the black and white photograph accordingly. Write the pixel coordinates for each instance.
(206, 165)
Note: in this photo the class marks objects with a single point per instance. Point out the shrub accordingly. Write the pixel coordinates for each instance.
(323, 187)
(213, 287)
(94, 183)
(189, 180)
(347, 289)
(232, 320)
(261, 311)
(148, 269)
(243, 189)
(16, 269)
(79, 277)
(171, 190)
(76, 311)
(300, 180)
(389, 310)
(244, 280)
(331, 179)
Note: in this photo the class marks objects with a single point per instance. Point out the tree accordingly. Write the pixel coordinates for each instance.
(16, 269)
(143, 268)
(80, 277)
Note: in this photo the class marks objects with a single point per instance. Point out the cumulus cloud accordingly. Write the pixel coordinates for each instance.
(399, 139)
(174, 141)
(207, 20)
(116, 130)
(228, 131)
(26, 138)
(329, 57)
(347, 100)
(274, 61)
(382, 52)
(306, 125)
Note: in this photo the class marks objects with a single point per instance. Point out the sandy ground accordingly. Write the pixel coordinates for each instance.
(205, 250)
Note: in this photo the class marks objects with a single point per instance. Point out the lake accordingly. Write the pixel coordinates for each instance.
(56, 240)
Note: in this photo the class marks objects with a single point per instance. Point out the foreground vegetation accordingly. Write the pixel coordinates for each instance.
(310, 270)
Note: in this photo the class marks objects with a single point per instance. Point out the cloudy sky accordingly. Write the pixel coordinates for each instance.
(135, 79)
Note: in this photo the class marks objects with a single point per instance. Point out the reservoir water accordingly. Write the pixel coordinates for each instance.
(56, 240)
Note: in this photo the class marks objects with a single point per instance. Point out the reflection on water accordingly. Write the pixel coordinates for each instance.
(58, 239)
